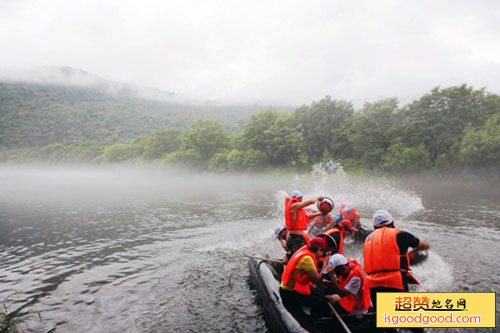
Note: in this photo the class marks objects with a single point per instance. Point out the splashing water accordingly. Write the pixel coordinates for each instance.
(434, 274)
(366, 193)
(329, 167)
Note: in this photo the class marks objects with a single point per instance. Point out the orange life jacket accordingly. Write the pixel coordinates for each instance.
(302, 218)
(301, 279)
(383, 261)
(350, 216)
(341, 245)
(350, 302)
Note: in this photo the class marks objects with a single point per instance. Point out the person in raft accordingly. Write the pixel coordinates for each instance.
(296, 219)
(346, 282)
(323, 222)
(281, 234)
(339, 233)
(301, 270)
(347, 211)
(386, 258)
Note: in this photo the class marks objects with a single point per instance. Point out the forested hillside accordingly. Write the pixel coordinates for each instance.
(444, 129)
(39, 115)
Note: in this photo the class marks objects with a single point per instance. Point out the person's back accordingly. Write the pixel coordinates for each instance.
(385, 256)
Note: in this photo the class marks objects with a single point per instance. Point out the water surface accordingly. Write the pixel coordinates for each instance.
(140, 249)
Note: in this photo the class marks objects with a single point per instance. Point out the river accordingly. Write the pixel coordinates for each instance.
(144, 249)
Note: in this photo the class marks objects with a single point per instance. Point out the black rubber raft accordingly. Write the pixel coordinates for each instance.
(265, 279)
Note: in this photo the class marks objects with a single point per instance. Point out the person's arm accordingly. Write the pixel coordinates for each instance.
(285, 259)
(333, 298)
(422, 245)
(299, 205)
(283, 244)
(406, 240)
(315, 277)
(306, 264)
(333, 282)
(313, 215)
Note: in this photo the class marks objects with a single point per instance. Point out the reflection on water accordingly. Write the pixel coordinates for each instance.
(139, 249)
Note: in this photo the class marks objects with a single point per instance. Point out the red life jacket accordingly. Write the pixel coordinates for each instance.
(383, 261)
(341, 245)
(350, 302)
(302, 218)
(350, 216)
(301, 279)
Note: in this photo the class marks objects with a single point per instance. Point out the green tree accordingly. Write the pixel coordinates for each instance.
(206, 137)
(324, 127)
(284, 146)
(371, 132)
(480, 147)
(437, 120)
(272, 137)
(121, 152)
(404, 159)
(254, 159)
(256, 134)
(219, 161)
(236, 159)
(187, 157)
(162, 142)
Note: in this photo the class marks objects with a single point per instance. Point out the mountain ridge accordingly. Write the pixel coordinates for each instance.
(37, 114)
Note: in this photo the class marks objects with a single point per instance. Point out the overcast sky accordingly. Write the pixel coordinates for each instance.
(288, 52)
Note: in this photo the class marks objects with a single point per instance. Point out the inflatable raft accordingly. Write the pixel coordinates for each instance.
(265, 279)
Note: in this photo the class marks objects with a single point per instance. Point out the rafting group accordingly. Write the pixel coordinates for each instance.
(318, 275)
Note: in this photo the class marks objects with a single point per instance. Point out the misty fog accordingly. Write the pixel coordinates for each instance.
(149, 248)
(147, 148)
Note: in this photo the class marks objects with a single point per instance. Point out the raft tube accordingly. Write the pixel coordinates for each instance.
(265, 279)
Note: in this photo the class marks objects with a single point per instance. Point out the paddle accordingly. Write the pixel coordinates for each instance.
(277, 261)
(339, 318)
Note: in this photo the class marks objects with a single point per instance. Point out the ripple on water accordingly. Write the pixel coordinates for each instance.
(165, 258)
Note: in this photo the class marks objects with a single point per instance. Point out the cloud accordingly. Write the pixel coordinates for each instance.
(288, 52)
